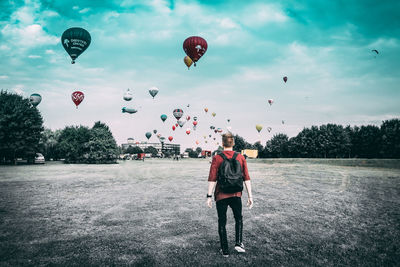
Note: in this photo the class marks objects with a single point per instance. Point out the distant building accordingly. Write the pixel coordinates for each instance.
(161, 148)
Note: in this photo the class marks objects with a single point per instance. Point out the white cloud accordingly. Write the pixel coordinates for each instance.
(29, 36)
(3, 77)
(34, 56)
(85, 10)
(260, 14)
(227, 23)
(4, 47)
(18, 89)
(50, 52)
(75, 7)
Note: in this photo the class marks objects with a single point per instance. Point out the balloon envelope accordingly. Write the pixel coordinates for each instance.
(213, 114)
(285, 79)
(35, 99)
(148, 135)
(181, 123)
(77, 97)
(129, 110)
(173, 127)
(206, 110)
(259, 127)
(170, 138)
(163, 117)
(270, 101)
(128, 95)
(195, 47)
(153, 91)
(178, 113)
(188, 131)
(154, 131)
(75, 41)
(188, 61)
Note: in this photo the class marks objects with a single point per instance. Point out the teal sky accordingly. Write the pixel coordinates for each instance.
(323, 47)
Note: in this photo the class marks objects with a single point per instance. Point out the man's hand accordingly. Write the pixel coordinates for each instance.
(209, 202)
(250, 202)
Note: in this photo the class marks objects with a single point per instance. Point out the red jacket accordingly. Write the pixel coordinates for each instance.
(212, 177)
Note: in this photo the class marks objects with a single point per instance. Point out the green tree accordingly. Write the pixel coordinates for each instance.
(49, 144)
(258, 146)
(241, 144)
(367, 141)
(72, 143)
(134, 150)
(101, 147)
(152, 150)
(21, 125)
(390, 132)
(277, 147)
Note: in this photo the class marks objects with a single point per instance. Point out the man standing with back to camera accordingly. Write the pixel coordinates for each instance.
(227, 172)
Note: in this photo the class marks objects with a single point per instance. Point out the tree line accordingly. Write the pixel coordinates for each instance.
(332, 141)
(22, 135)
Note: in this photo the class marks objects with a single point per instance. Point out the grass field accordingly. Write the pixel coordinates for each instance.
(154, 213)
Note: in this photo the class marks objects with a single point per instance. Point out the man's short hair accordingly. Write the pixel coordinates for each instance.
(228, 140)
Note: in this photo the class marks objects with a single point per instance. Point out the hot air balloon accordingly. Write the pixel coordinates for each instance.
(283, 122)
(195, 118)
(181, 123)
(178, 113)
(35, 99)
(188, 61)
(187, 117)
(376, 51)
(187, 131)
(194, 123)
(148, 135)
(176, 124)
(206, 110)
(219, 130)
(270, 101)
(162, 139)
(285, 79)
(204, 136)
(229, 120)
(215, 131)
(195, 47)
(153, 91)
(154, 131)
(269, 129)
(209, 135)
(163, 117)
(128, 95)
(77, 97)
(213, 114)
(173, 127)
(214, 138)
(197, 142)
(129, 110)
(170, 138)
(259, 127)
(75, 41)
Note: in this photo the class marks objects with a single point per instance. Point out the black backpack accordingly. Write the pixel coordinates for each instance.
(230, 175)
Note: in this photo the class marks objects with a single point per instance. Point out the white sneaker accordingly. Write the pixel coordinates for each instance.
(224, 253)
(240, 248)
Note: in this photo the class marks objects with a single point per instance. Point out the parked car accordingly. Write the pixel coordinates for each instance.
(39, 158)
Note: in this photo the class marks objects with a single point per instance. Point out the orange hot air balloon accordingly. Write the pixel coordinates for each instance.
(206, 110)
(197, 142)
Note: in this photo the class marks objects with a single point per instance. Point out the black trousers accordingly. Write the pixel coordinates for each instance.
(222, 206)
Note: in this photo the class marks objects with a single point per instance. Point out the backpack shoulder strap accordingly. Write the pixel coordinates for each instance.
(235, 155)
(223, 156)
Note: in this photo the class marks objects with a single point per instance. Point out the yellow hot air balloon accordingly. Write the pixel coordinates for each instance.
(213, 114)
(188, 61)
(259, 127)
